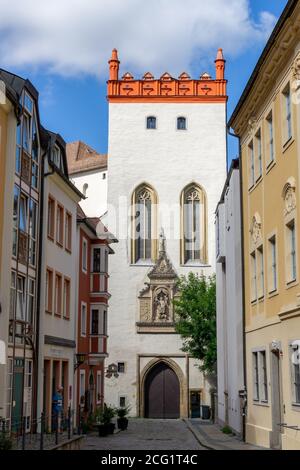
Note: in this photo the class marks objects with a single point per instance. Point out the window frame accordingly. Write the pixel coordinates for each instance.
(84, 255)
(202, 226)
(153, 229)
(66, 313)
(291, 252)
(148, 121)
(178, 120)
(83, 332)
(49, 290)
(60, 227)
(51, 222)
(251, 164)
(272, 264)
(287, 115)
(68, 231)
(270, 142)
(58, 294)
(260, 378)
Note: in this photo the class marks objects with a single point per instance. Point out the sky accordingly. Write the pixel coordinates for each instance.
(63, 46)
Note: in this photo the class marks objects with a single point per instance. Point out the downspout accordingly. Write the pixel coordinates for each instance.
(36, 382)
(243, 279)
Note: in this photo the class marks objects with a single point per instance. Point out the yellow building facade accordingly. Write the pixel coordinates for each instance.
(267, 120)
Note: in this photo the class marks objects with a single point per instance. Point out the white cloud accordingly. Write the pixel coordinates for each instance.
(75, 37)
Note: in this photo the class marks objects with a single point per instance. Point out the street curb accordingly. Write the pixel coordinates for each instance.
(197, 435)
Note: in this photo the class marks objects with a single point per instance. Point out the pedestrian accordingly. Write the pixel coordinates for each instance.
(57, 406)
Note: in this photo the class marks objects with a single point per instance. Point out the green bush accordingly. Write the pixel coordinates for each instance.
(227, 430)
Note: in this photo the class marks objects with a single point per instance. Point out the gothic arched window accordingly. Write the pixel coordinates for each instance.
(194, 225)
(144, 238)
(151, 122)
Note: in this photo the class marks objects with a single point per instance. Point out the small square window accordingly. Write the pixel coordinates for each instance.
(181, 123)
(151, 122)
(121, 367)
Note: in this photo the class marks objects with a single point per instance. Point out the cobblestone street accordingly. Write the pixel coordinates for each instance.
(147, 434)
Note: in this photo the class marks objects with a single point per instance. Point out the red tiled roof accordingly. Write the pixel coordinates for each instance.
(81, 158)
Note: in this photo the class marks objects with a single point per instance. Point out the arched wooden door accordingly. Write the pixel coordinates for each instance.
(162, 393)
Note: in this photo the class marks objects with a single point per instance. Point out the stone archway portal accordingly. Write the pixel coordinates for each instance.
(162, 393)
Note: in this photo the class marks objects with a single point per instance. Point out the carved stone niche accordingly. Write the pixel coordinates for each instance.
(156, 312)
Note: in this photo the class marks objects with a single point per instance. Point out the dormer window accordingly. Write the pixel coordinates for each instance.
(151, 122)
(181, 123)
(56, 157)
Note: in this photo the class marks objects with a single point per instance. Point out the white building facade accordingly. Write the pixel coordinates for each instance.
(166, 166)
(230, 304)
(59, 284)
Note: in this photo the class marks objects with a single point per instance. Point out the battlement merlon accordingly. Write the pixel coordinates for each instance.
(167, 88)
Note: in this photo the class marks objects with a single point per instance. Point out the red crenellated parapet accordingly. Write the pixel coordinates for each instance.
(166, 88)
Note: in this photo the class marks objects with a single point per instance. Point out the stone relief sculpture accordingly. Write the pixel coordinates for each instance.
(256, 229)
(155, 299)
(161, 305)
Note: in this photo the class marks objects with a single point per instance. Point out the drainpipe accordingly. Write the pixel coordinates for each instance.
(244, 393)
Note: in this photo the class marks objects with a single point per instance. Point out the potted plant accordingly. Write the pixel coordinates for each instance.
(122, 412)
(106, 426)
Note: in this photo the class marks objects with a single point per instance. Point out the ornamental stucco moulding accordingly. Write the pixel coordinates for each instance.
(255, 229)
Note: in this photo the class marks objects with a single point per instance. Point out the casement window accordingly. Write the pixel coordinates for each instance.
(151, 122)
(56, 157)
(83, 320)
(51, 218)
(21, 298)
(96, 254)
(98, 322)
(253, 276)
(251, 166)
(121, 367)
(95, 322)
(259, 154)
(295, 370)
(272, 261)
(15, 219)
(68, 231)
(58, 294)
(287, 113)
(49, 290)
(18, 149)
(30, 300)
(255, 376)
(181, 123)
(23, 216)
(82, 386)
(33, 212)
(260, 377)
(194, 230)
(270, 140)
(260, 272)
(13, 285)
(59, 225)
(28, 141)
(291, 251)
(67, 296)
(84, 259)
(144, 204)
(99, 386)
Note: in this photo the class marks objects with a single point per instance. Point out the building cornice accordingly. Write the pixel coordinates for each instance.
(278, 52)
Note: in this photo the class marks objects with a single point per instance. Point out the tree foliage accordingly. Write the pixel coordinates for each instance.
(195, 312)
